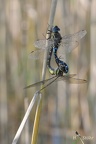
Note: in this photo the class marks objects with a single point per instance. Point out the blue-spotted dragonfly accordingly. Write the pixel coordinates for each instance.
(62, 66)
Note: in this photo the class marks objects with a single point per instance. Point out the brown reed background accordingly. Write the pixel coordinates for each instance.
(66, 108)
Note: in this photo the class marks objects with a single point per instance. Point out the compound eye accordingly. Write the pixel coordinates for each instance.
(66, 69)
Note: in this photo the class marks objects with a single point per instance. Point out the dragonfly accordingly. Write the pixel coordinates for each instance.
(62, 66)
(57, 40)
(65, 43)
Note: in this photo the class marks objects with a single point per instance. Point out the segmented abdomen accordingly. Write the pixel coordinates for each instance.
(51, 70)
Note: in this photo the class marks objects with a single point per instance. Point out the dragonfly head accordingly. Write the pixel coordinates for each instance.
(64, 68)
(55, 29)
(59, 72)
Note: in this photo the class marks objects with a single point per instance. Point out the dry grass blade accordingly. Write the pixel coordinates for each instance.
(38, 110)
(15, 140)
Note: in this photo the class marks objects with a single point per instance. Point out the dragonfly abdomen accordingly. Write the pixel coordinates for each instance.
(61, 65)
(51, 70)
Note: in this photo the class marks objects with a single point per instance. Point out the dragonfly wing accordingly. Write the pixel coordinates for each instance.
(77, 81)
(67, 47)
(40, 82)
(72, 80)
(36, 54)
(74, 37)
(66, 77)
(69, 75)
(42, 44)
(71, 41)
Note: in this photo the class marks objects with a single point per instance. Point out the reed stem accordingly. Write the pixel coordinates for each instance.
(39, 106)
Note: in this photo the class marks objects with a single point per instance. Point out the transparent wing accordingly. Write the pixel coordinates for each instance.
(38, 83)
(72, 80)
(52, 78)
(38, 54)
(77, 81)
(71, 41)
(42, 44)
(68, 46)
(74, 37)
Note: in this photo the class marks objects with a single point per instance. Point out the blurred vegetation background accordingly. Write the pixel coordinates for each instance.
(66, 108)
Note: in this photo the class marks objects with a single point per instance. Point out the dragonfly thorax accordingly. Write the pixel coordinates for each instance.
(57, 39)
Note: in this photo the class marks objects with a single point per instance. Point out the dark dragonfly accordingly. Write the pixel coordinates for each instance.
(62, 66)
(54, 41)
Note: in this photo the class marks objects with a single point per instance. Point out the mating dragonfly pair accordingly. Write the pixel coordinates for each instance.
(55, 42)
